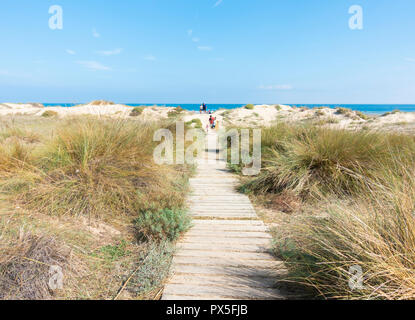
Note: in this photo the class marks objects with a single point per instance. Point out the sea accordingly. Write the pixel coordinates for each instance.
(365, 108)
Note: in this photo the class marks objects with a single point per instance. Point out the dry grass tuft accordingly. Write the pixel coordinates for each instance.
(25, 266)
(357, 193)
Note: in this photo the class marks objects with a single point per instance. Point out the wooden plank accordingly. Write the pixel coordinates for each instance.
(225, 261)
(226, 254)
(224, 247)
(223, 291)
(221, 280)
(221, 234)
(230, 271)
(229, 222)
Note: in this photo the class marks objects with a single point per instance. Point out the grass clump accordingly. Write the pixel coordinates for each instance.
(137, 111)
(71, 199)
(49, 114)
(25, 264)
(308, 159)
(343, 111)
(195, 123)
(389, 113)
(99, 169)
(373, 232)
(249, 107)
(349, 196)
(176, 113)
(361, 115)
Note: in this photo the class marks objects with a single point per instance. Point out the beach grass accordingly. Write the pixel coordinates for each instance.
(85, 189)
(348, 203)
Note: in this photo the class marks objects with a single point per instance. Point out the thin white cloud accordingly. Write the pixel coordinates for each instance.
(93, 65)
(150, 57)
(217, 3)
(195, 39)
(95, 34)
(71, 52)
(189, 32)
(410, 59)
(278, 87)
(109, 52)
(205, 48)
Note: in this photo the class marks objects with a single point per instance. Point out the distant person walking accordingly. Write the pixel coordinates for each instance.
(212, 121)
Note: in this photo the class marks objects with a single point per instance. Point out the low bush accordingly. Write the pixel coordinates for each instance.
(361, 115)
(249, 107)
(343, 111)
(49, 114)
(195, 123)
(177, 112)
(137, 111)
(158, 225)
(389, 113)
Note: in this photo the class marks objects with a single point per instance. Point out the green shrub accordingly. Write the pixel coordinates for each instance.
(175, 113)
(389, 113)
(158, 225)
(137, 111)
(114, 252)
(197, 123)
(278, 107)
(49, 114)
(363, 116)
(343, 111)
(249, 107)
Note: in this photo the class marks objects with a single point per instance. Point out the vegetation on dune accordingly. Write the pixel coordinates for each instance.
(361, 115)
(195, 123)
(177, 112)
(249, 107)
(89, 186)
(158, 225)
(389, 113)
(49, 114)
(343, 111)
(98, 171)
(137, 111)
(349, 195)
(101, 103)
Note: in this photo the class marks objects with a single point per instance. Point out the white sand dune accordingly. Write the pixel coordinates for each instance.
(259, 115)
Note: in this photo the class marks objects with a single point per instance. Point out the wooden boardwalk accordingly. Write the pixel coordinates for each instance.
(225, 256)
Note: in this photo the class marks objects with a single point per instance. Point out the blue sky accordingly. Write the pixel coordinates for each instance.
(189, 51)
